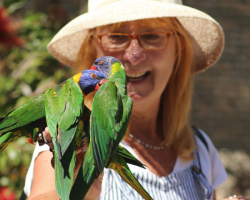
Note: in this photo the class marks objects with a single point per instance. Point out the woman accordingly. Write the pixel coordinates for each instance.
(161, 43)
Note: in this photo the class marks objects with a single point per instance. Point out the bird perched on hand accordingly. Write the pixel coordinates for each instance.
(110, 115)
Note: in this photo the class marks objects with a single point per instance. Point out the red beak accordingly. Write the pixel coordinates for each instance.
(97, 87)
(93, 67)
(101, 82)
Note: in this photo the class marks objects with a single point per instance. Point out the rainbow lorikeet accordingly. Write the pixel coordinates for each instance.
(110, 115)
(62, 110)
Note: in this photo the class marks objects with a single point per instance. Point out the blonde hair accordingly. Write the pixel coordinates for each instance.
(176, 99)
(87, 53)
(173, 116)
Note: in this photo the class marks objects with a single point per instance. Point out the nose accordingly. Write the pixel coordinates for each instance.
(134, 53)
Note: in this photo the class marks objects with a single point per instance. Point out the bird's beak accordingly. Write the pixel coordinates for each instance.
(93, 67)
(103, 81)
(100, 83)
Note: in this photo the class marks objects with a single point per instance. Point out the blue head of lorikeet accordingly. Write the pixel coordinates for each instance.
(90, 80)
(104, 65)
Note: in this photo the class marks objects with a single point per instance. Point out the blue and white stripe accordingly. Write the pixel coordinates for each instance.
(184, 185)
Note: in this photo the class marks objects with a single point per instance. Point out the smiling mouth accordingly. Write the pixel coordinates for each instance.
(136, 77)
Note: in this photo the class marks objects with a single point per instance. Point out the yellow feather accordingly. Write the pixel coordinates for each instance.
(116, 67)
(77, 77)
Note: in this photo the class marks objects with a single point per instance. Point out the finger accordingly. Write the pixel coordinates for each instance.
(48, 138)
(236, 197)
(100, 177)
(242, 197)
(47, 134)
(233, 197)
(80, 149)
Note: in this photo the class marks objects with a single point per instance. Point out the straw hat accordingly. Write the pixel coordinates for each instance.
(206, 34)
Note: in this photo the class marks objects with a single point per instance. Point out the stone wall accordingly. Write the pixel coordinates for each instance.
(221, 101)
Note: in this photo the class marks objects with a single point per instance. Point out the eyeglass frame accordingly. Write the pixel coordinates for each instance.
(131, 37)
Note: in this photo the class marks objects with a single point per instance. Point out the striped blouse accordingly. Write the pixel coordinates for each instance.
(182, 184)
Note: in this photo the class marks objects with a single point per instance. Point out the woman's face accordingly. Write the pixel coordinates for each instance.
(147, 71)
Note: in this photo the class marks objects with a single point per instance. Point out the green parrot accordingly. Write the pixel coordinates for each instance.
(62, 110)
(110, 115)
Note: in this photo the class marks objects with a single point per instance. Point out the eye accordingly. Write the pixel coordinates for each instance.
(100, 62)
(117, 39)
(93, 75)
(150, 36)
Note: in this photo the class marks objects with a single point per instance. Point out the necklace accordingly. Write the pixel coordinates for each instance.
(147, 145)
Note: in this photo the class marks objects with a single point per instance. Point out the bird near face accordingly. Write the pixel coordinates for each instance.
(107, 132)
(107, 65)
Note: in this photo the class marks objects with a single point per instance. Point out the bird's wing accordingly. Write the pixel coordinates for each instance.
(122, 124)
(106, 112)
(27, 113)
(64, 106)
(30, 130)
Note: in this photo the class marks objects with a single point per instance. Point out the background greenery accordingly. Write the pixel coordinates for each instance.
(26, 70)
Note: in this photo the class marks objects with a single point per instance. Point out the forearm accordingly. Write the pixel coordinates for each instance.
(43, 185)
(47, 196)
(43, 179)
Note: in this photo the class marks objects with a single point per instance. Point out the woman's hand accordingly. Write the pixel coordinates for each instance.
(236, 197)
(44, 172)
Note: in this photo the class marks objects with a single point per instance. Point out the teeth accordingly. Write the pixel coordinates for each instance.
(135, 75)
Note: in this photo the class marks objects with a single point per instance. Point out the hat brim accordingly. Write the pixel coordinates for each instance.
(206, 34)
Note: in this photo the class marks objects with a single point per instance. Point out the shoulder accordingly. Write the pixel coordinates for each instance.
(211, 163)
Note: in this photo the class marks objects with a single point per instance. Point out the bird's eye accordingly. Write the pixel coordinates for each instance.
(93, 75)
(100, 62)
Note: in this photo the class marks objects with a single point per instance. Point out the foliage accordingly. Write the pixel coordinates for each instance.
(25, 72)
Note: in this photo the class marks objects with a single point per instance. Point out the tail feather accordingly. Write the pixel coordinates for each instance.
(128, 157)
(119, 165)
(85, 177)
